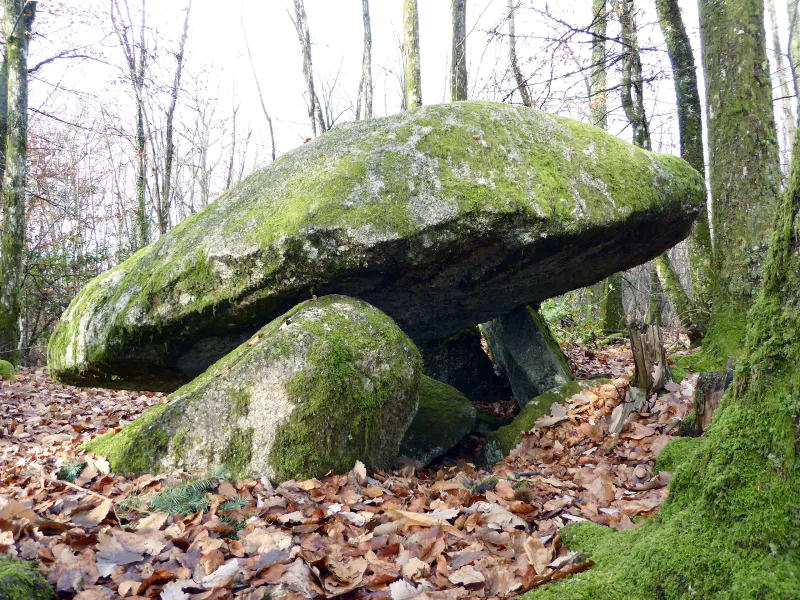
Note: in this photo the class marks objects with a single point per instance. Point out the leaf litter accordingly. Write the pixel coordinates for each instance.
(453, 531)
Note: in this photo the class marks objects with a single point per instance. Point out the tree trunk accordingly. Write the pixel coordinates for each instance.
(647, 346)
(743, 159)
(365, 86)
(169, 150)
(690, 126)
(598, 109)
(793, 8)
(3, 117)
(680, 301)
(304, 36)
(729, 528)
(512, 55)
(783, 81)
(18, 19)
(632, 82)
(411, 61)
(458, 66)
(612, 312)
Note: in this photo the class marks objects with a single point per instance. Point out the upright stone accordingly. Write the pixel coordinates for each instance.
(330, 382)
(529, 354)
(460, 361)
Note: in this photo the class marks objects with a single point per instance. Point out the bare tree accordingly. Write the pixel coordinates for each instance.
(411, 60)
(458, 65)
(365, 85)
(300, 22)
(273, 151)
(169, 150)
(783, 82)
(136, 66)
(17, 22)
(522, 86)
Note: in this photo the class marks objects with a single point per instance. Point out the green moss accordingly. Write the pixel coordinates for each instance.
(677, 452)
(138, 447)
(501, 442)
(7, 370)
(444, 417)
(179, 446)
(730, 528)
(316, 438)
(239, 452)
(688, 426)
(240, 403)
(20, 580)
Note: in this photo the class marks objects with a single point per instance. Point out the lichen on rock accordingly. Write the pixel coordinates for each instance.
(444, 417)
(330, 382)
(442, 217)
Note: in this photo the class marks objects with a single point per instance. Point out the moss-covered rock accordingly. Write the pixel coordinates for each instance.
(459, 360)
(501, 442)
(443, 217)
(332, 381)
(7, 370)
(522, 342)
(444, 417)
(20, 580)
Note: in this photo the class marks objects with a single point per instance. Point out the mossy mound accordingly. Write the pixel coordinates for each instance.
(7, 370)
(501, 442)
(442, 217)
(528, 352)
(330, 382)
(20, 580)
(444, 417)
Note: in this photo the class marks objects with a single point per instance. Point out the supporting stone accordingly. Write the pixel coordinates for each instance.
(461, 362)
(524, 346)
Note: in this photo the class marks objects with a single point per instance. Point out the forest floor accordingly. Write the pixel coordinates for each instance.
(454, 531)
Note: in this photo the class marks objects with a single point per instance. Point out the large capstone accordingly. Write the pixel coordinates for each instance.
(332, 381)
(528, 352)
(442, 217)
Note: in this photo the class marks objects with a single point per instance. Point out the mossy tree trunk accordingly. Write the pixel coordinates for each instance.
(598, 108)
(522, 86)
(731, 525)
(612, 311)
(691, 311)
(743, 160)
(678, 298)
(365, 86)
(18, 19)
(458, 65)
(632, 78)
(412, 79)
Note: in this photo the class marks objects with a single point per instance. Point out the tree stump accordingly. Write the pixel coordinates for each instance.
(649, 356)
(711, 387)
